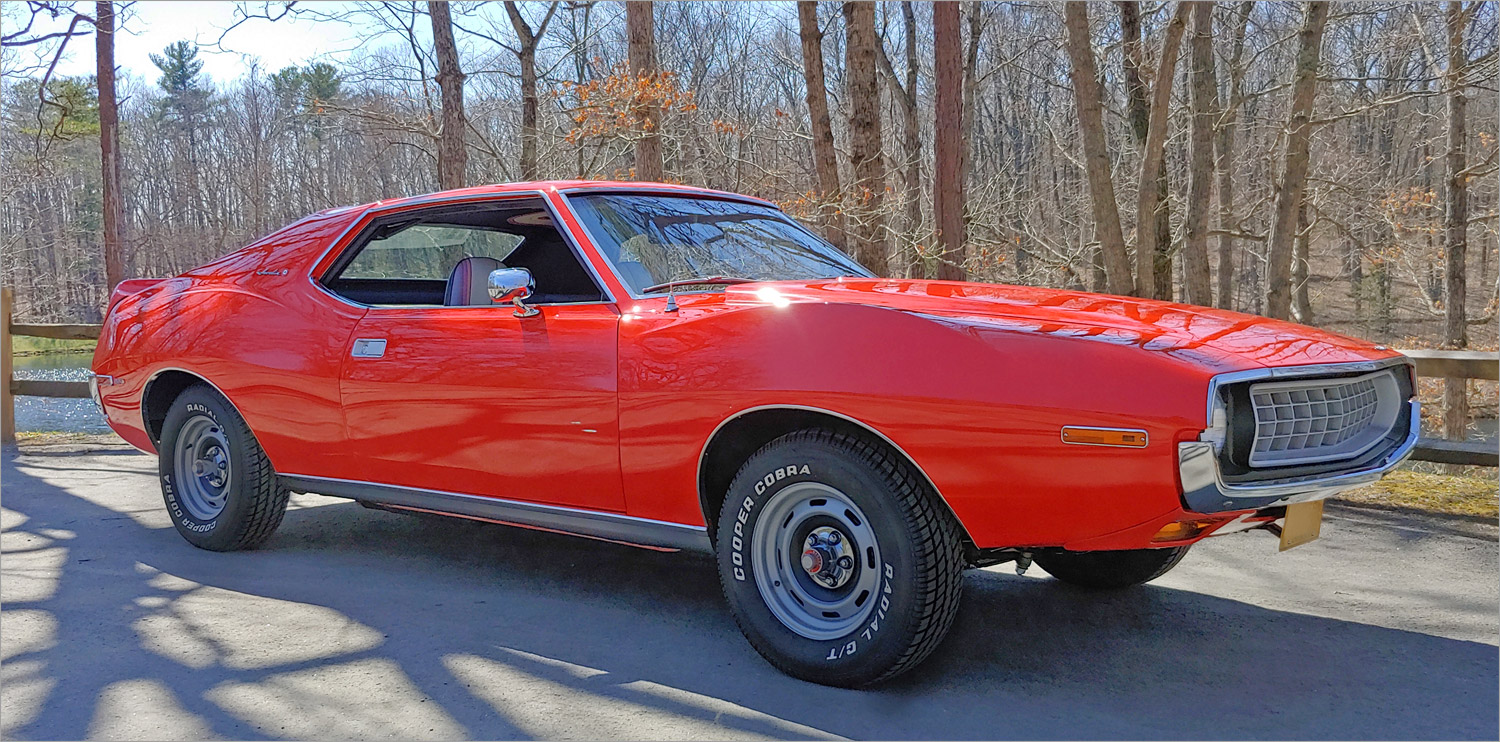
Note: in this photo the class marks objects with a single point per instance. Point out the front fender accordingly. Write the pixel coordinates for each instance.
(978, 408)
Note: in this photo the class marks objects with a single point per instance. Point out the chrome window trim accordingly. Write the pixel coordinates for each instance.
(659, 191)
(376, 210)
(617, 527)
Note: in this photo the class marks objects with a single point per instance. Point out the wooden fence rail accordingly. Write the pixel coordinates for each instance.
(1443, 364)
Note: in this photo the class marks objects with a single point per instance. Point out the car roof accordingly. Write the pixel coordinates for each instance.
(566, 186)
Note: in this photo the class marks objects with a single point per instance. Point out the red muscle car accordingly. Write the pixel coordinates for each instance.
(674, 368)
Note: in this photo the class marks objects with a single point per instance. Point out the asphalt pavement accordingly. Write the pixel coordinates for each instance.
(360, 624)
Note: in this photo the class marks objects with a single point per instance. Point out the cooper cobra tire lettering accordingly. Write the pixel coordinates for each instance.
(253, 499)
(917, 552)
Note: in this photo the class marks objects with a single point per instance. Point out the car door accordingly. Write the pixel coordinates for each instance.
(443, 390)
(475, 400)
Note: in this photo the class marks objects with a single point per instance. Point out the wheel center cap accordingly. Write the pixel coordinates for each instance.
(826, 557)
(812, 561)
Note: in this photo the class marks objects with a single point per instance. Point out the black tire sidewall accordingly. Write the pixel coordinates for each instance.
(884, 637)
(223, 530)
(1111, 570)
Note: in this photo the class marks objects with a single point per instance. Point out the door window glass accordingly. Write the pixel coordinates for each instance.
(428, 251)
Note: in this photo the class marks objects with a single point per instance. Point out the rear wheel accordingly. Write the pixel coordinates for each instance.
(219, 488)
(1110, 569)
(840, 566)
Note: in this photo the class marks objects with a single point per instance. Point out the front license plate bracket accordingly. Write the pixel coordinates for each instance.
(1303, 524)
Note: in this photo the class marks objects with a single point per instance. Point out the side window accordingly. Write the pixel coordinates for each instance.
(409, 258)
(428, 251)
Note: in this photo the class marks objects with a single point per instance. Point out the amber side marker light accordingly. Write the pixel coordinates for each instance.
(1183, 530)
(1121, 437)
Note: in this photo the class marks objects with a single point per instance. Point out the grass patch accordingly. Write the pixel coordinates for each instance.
(27, 345)
(1434, 493)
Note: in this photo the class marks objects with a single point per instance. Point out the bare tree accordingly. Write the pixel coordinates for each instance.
(911, 129)
(1196, 279)
(640, 29)
(825, 158)
(453, 154)
(1455, 223)
(109, 145)
(947, 180)
(1158, 254)
(1090, 103)
(1293, 183)
(1148, 198)
(1229, 109)
(865, 151)
(528, 39)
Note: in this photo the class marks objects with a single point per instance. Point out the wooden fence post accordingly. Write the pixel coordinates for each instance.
(7, 400)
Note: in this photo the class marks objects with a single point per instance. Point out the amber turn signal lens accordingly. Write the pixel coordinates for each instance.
(1183, 530)
(1104, 437)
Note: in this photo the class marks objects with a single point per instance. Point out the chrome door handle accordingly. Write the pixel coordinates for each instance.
(368, 348)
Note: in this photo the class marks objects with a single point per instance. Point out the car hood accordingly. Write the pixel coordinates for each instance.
(1222, 339)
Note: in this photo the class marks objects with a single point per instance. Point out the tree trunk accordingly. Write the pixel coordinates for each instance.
(1290, 190)
(529, 168)
(911, 131)
(948, 181)
(452, 153)
(1090, 104)
(526, 55)
(825, 157)
(109, 146)
(640, 28)
(1301, 267)
(1196, 275)
(864, 135)
(1152, 182)
(1224, 147)
(970, 85)
(1455, 226)
(1137, 95)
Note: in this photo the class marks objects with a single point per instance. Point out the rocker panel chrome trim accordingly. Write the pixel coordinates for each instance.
(611, 526)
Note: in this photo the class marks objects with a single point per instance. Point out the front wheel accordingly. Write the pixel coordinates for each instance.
(1110, 569)
(218, 484)
(839, 563)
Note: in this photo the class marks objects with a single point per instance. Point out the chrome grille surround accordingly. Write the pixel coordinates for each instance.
(1313, 420)
(1206, 487)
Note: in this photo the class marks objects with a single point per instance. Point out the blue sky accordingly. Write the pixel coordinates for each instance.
(152, 24)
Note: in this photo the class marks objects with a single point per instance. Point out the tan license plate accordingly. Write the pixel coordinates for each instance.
(1303, 523)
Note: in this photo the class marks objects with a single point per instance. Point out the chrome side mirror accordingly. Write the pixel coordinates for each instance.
(514, 285)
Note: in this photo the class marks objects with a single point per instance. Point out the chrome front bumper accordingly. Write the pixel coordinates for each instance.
(1204, 489)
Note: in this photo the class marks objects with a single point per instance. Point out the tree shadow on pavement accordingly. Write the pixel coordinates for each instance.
(511, 633)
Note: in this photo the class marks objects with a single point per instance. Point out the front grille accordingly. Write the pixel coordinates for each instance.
(1312, 420)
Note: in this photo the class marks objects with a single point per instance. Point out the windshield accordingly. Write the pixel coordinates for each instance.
(654, 240)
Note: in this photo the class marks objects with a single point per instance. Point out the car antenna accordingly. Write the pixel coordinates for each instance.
(671, 299)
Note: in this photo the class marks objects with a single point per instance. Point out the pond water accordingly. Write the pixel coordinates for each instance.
(48, 414)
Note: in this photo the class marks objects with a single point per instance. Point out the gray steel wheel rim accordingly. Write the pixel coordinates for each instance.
(776, 550)
(204, 468)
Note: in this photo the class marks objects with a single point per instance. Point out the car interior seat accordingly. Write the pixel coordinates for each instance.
(469, 282)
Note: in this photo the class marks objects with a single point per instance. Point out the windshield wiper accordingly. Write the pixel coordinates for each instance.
(710, 280)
